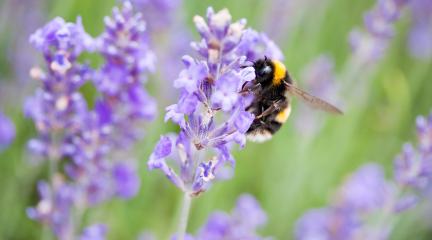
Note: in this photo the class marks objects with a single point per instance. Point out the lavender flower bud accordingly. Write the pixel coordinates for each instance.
(210, 111)
(7, 131)
(55, 207)
(370, 45)
(57, 105)
(263, 46)
(420, 38)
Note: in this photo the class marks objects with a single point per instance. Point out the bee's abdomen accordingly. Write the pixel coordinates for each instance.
(283, 115)
(263, 128)
(262, 131)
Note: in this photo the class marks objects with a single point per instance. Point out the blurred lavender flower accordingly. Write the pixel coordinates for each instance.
(57, 105)
(7, 131)
(420, 38)
(320, 80)
(363, 193)
(367, 204)
(158, 13)
(19, 20)
(55, 207)
(124, 45)
(326, 224)
(94, 232)
(413, 167)
(210, 112)
(168, 37)
(262, 46)
(85, 140)
(370, 45)
(243, 222)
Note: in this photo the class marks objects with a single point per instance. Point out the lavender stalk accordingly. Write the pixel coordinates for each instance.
(85, 140)
(210, 111)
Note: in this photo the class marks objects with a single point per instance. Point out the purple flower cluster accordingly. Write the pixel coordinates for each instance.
(320, 80)
(210, 111)
(58, 105)
(7, 131)
(367, 203)
(85, 141)
(370, 45)
(420, 38)
(364, 194)
(413, 167)
(243, 222)
(55, 207)
(124, 46)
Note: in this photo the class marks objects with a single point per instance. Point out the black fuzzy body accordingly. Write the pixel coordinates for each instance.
(267, 95)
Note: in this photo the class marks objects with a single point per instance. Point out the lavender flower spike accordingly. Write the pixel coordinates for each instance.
(367, 195)
(128, 59)
(58, 105)
(85, 140)
(210, 112)
(370, 45)
(7, 131)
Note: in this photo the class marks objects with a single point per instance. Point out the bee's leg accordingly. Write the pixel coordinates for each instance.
(276, 106)
(249, 89)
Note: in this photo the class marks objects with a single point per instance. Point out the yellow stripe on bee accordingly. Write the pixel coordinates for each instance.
(283, 116)
(279, 72)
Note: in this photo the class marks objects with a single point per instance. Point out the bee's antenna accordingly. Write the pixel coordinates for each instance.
(265, 58)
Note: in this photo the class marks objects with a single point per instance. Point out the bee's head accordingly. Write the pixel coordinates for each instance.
(264, 71)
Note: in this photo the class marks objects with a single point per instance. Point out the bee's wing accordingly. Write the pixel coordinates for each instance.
(312, 101)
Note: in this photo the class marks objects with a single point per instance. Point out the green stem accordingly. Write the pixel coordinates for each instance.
(184, 216)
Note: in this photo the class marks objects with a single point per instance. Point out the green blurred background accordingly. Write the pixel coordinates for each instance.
(289, 174)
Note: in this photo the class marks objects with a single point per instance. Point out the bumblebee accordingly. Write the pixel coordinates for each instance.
(272, 89)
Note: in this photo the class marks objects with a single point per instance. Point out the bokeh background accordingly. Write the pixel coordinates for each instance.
(288, 175)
